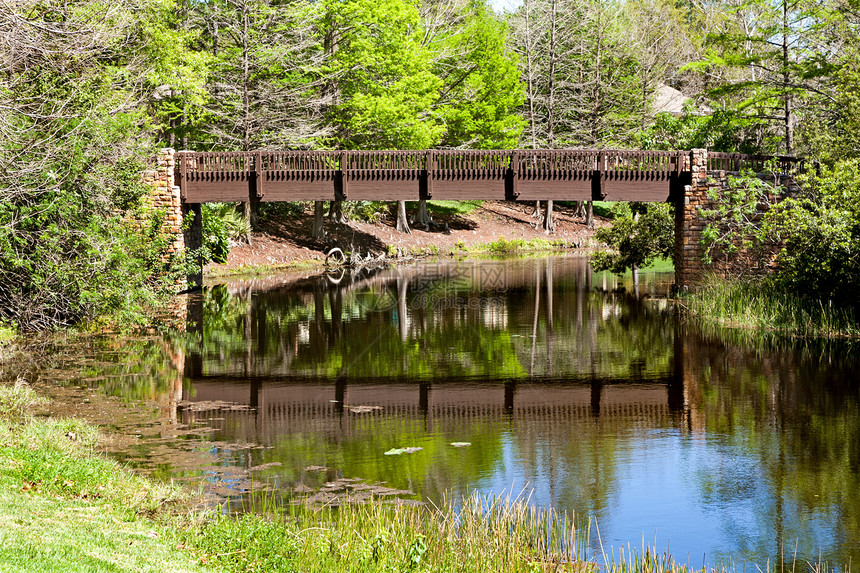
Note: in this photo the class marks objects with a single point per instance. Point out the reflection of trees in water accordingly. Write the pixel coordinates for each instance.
(450, 321)
(437, 470)
(132, 367)
(796, 417)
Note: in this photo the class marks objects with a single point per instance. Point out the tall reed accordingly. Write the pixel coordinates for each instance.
(471, 534)
(757, 306)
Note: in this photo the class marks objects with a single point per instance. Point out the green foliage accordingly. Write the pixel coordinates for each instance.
(636, 241)
(503, 246)
(376, 537)
(7, 334)
(366, 210)
(281, 211)
(222, 223)
(757, 305)
(733, 224)
(820, 236)
(17, 401)
(383, 77)
(725, 130)
(482, 87)
(75, 241)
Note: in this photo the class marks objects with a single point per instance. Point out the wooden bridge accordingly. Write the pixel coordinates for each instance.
(524, 175)
(186, 179)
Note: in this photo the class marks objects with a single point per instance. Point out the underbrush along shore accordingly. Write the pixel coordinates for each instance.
(394, 255)
(64, 507)
(762, 310)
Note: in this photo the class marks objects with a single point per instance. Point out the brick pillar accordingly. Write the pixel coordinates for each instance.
(165, 196)
(688, 226)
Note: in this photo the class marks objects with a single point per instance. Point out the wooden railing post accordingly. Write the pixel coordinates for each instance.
(258, 167)
(515, 174)
(344, 189)
(183, 175)
(598, 185)
(430, 167)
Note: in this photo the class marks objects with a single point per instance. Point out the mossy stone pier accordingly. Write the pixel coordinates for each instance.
(186, 179)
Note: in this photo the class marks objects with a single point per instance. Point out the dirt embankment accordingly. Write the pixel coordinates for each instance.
(290, 242)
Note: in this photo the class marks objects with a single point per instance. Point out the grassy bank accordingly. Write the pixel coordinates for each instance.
(7, 334)
(62, 508)
(251, 270)
(757, 307)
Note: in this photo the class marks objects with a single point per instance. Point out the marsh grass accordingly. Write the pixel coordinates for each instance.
(469, 535)
(475, 534)
(504, 246)
(757, 307)
(7, 334)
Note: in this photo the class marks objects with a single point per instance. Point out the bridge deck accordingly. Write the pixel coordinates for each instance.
(433, 174)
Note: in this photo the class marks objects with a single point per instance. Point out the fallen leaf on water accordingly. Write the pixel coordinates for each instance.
(264, 466)
(364, 409)
(398, 451)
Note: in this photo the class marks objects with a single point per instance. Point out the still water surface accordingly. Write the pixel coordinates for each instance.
(585, 392)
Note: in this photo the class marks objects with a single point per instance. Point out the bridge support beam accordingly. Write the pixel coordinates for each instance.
(688, 226)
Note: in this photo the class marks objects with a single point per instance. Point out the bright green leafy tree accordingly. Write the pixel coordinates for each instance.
(381, 77)
(482, 90)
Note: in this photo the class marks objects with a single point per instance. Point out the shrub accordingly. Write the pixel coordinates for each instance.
(222, 223)
(636, 241)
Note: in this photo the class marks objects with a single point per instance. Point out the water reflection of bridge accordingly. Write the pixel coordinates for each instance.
(332, 408)
(552, 346)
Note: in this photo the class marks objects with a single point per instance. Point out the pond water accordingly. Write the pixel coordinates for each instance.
(586, 392)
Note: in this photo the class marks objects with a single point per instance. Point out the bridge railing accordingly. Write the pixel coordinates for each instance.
(756, 163)
(572, 174)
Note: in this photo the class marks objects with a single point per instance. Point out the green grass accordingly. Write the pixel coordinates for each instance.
(447, 207)
(758, 307)
(7, 334)
(480, 535)
(63, 508)
(503, 246)
(260, 270)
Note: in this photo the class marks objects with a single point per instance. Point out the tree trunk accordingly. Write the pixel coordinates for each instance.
(246, 101)
(402, 222)
(580, 209)
(536, 212)
(335, 212)
(789, 119)
(589, 215)
(550, 110)
(246, 215)
(317, 232)
(548, 222)
(423, 217)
